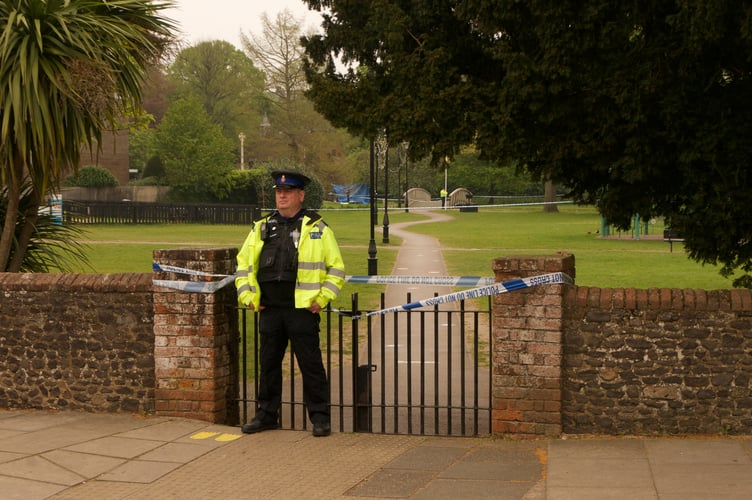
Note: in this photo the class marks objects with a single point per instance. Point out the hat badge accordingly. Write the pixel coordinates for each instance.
(282, 180)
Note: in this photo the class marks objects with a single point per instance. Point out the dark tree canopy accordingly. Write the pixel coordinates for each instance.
(637, 107)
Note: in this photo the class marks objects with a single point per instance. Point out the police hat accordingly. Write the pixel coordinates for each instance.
(287, 179)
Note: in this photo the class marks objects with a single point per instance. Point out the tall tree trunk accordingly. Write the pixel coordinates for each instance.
(27, 231)
(11, 214)
(549, 197)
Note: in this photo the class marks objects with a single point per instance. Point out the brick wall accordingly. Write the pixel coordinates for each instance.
(77, 342)
(197, 340)
(527, 353)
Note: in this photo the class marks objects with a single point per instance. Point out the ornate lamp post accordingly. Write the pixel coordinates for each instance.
(383, 156)
(241, 136)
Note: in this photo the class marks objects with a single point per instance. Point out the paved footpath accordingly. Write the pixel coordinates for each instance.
(70, 455)
(83, 456)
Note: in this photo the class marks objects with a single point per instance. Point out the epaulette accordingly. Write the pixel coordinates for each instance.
(314, 217)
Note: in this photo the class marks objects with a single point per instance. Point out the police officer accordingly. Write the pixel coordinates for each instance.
(289, 268)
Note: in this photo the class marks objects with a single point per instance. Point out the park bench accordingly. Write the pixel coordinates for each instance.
(672, 235)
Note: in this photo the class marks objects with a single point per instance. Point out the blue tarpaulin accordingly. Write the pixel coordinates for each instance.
(352, 193)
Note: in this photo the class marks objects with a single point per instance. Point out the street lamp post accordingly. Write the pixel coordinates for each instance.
(446, 167)
(405, 149)
(372, 259)
(241, 136)
(384, 157)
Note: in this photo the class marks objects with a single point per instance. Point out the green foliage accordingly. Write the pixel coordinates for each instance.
(224, 81)
(68, 70)
(92, 176)
(140, 148)
(486, 178)
(636, 107)
(154, 168)
(197, 158)
(53, 246)
(246, 186)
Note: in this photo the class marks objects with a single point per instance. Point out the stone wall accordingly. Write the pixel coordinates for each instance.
(584, 360)
(77, 342)
(116, 343)
(657, 361)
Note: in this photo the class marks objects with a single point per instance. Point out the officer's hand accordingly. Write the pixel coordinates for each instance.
(315, 308)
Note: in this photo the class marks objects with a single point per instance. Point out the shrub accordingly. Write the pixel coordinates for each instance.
(91, 176)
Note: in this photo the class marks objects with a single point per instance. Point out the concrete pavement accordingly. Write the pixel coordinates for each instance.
(71, 455)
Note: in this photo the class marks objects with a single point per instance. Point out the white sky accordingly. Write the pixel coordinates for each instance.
(202, 20)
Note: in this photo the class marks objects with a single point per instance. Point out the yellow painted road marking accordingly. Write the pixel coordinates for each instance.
(222, 438)
(227, 437)
(204, 435)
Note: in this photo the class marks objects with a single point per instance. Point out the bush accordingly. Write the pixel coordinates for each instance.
(154, 168)
(91, 176)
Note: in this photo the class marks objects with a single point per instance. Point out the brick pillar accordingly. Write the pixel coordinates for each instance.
(527, 348)
(196, 340)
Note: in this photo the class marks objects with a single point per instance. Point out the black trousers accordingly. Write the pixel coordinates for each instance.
(301, 328)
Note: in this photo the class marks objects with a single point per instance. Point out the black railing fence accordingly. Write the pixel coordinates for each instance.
(127, 212)
(425, 372)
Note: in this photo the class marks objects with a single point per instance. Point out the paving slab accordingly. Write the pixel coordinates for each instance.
(14, 488)
(139, 471)
(118, 447)
(429, 458)
(86, 465)
(47, 439)
(442, 489)
(38, 468)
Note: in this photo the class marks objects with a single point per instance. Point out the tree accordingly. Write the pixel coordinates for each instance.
(638, 107)
(63, 85)
(225, 82)
(197, 157)
(304, 136)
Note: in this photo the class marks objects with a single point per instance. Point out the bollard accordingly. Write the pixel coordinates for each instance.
(364, 403)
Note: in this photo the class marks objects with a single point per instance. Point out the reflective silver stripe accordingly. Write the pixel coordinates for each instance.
(313, 266)
(331, 287)
(242, 274)
(339, 273)
(308, 286)
(246, 288)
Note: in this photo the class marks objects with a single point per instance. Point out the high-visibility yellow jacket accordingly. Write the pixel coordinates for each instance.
(321, 270)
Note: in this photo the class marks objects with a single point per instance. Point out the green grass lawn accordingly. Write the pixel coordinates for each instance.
(471, 242)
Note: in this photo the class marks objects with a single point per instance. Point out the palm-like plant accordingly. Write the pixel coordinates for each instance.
(53, 246)
(69, 69)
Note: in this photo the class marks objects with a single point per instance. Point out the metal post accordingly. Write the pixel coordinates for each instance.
(372, 259)
(385, 238)
(406, 148)
(443, 201)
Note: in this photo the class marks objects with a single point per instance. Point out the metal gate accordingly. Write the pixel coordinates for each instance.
(425, 372)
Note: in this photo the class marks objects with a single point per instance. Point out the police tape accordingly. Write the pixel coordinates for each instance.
(213, 286)
(495, 289)
(490, 288)
(195, 286)
(420, 280)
